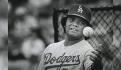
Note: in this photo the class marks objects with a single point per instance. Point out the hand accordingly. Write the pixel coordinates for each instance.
(97, 61)
(96, 56)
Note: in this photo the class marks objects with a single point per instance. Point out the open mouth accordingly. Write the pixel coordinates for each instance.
(73, 29)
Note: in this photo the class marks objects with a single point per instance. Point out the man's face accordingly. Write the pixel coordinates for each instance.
(74, 26)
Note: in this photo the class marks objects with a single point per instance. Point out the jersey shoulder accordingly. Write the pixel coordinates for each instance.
(54, 46)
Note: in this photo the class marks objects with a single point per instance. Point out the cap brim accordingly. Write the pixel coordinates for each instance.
(80, 17)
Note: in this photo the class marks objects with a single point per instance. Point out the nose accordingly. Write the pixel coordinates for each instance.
(74, 25)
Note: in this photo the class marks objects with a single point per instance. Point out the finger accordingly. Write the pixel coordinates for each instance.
(93, 57)
(97, 53)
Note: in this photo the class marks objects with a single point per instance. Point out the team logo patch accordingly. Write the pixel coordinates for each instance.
(60, 62)
(80, 10)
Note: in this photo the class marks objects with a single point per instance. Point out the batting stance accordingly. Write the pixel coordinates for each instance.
(73, 53)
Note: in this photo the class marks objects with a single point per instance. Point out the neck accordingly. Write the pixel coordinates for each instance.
(71, 41)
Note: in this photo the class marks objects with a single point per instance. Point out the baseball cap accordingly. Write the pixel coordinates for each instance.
(80, 11)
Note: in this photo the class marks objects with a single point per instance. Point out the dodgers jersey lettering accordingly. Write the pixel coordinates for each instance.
(59, 57)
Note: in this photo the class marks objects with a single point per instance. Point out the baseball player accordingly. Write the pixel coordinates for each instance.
(74, 52)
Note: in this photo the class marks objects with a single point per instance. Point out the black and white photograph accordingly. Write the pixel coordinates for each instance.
(60, 34)
(3, 35)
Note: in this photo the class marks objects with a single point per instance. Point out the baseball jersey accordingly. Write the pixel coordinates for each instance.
(59, 57)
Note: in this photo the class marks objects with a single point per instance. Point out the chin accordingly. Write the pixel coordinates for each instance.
(75, 35)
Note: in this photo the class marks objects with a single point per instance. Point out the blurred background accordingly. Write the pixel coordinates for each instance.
(3, 35)
(30, 24)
